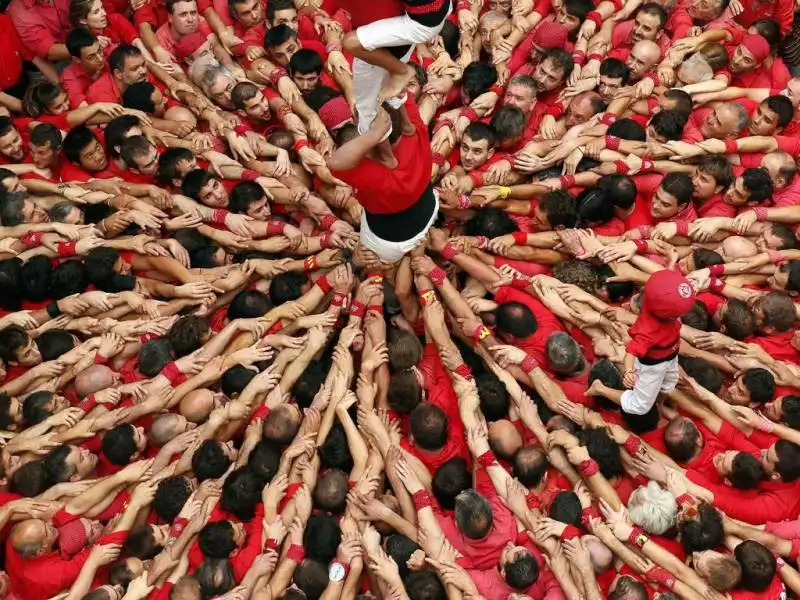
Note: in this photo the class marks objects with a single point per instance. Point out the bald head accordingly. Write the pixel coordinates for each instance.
(165, 427)
(601, 556)
(504, 438)
(781, 168)
(583, 107)
(93, 379)
(736, 247)
(27, 537)
(495, 20)
(197, 405)
(643, 56)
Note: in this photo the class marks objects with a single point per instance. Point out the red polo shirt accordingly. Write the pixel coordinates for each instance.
(12, 53)
(382, 190)
(546, 322)
(76, 83)
(40, 25)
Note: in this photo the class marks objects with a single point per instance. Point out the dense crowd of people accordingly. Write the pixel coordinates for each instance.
(419, 300)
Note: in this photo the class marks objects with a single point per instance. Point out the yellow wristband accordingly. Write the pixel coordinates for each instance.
(505, 192)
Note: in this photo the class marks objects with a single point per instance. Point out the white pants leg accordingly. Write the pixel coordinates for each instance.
(390, 252)
(650, 381)
(367, 82)
(368, 79)
(396, 31)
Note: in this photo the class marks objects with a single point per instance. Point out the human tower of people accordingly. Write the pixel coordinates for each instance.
(399, 300)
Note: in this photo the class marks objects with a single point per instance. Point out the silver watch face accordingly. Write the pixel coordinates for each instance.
(336, 572)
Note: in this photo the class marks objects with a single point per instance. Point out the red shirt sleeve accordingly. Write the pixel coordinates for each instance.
(789, 144)
(122, 28)
(244, 557)
(756, 508)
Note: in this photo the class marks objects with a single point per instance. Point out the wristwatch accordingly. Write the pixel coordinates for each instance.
(337, 571)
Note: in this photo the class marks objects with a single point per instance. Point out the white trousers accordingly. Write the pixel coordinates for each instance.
(650, 381)
(368, 79)
(390, 252)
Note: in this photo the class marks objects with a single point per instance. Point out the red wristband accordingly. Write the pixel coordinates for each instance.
(443, 123)
(622, 167)
(323, 284)
(250, 175)
(520, 238)
(99, 359)
(587, 514)
(487, 459)
(276, 75)
(589, 468)
(595, 17)
(716, 270)
(731, 146)
(66, 248)
(595, 56)
(612, 142)
(326, 240)
(88, 403)
(438, 159)
(529, 363)
(300, 144)
(328, 221)
(219, 216)
(647, 166)
(637, 537)
(641, 245)
(533, 501)
(481, 241)
(377, 308)
(310, 263)
(426, 297)
(422, 499)
(449, 252)
(32, 239)
(463, 200)
(609, 118)
(480, 334)
(275, 227)
(470, 114)
(661, 576)
(173, 373)
(272, 545)
(358, 309)
(644, 231)
(569, 533)
(579, 57)
(762, 214)
(682, 228)
(339, 299)
(632, 445)
(437, 276)
(462, 370)
(716, 285)
(296, 553)
(497, 89)
(566, 181)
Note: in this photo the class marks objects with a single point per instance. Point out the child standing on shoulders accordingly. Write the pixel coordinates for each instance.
(651, 359)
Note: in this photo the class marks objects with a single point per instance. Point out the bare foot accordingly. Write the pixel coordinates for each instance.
(396, 84)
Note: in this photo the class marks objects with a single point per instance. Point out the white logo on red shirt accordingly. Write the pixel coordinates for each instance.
(684, 290)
